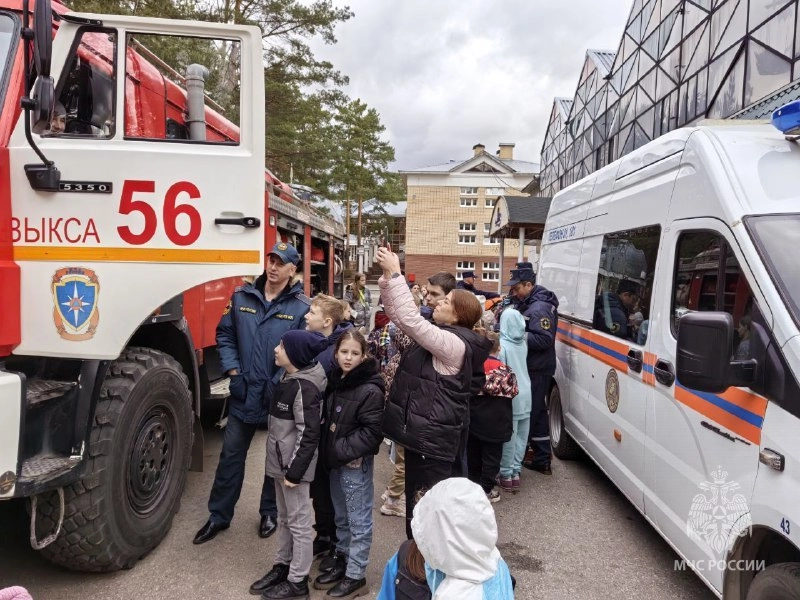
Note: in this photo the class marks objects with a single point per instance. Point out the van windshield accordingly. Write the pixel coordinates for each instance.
(7, 45)
(777, 238)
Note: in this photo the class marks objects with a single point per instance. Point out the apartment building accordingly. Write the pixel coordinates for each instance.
(449, 210)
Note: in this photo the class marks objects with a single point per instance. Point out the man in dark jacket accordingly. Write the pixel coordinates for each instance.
(468, 283)
(612, 311)
(251, 327)
(538, 306)
(509, 299)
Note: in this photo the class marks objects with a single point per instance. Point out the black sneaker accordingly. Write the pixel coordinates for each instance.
(288, 590)
(330, 578)
(331, 561)
(348, 588)
(277, 574)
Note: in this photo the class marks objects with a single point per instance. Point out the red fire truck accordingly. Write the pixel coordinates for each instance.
(133, 199)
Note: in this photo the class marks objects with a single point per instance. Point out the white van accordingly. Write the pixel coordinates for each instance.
(679, 345)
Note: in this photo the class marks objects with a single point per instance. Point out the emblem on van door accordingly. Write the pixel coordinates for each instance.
(716, 511)
(612, 390)
(75, 294)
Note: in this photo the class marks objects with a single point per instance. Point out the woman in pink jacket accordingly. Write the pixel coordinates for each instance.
(429, 398)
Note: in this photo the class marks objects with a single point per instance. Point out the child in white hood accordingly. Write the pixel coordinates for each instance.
(455, 529)
(453, 550)
(514, 353)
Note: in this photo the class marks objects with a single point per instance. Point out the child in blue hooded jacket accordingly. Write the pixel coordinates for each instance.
(514, 353)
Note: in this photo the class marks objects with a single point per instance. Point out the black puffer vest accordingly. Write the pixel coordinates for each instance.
(427, 410)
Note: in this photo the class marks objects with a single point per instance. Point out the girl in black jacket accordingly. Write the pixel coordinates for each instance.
(351, 437)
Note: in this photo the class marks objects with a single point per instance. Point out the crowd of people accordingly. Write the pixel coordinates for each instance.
(459, 402)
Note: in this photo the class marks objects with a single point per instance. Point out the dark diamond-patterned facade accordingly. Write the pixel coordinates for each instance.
(679, 61)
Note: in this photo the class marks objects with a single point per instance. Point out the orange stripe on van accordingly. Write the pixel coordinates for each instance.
(747, 400)
(610, 352)
(737, 411)
(745, 430)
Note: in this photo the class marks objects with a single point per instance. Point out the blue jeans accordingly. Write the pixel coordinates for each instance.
(352, 494)
(514, 449)
(230, 475)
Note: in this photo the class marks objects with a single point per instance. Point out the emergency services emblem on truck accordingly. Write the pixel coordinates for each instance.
(75, 293)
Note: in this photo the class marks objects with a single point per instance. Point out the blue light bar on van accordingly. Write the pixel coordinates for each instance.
(787, 118)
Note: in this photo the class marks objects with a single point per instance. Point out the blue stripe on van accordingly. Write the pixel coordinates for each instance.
(737, 411)
(597, 346)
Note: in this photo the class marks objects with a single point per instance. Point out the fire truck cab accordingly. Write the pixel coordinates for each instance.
(134, 174)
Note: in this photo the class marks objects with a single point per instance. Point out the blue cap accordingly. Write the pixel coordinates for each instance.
(286, 252)
(520, 275)
(525, 265)
(468, 274)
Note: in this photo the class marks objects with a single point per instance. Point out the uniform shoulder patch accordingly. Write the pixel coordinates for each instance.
(545, 324)
(303, 298)
(228, 307)
(614, 327)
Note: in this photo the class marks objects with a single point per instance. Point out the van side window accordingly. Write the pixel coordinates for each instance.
(182, 89)
(625, 283)
(85, 94)
(704, 259)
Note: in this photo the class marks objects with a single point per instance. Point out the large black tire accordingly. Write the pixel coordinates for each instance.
(776, 582)
(564, 447)
(139, 453)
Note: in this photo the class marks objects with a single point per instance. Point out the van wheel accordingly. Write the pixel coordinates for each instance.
(138, 456)
(564, 447)
(776, 582)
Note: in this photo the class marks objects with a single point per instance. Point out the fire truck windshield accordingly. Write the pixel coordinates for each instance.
(8, 37)
(777, 238)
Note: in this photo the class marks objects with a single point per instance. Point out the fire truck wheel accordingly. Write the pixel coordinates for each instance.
(564, 447)
(139, 452)
(776, 582)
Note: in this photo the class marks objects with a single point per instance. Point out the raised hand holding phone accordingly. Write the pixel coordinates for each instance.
(389, 262)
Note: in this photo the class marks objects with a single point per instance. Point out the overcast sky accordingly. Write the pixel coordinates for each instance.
(447, 74)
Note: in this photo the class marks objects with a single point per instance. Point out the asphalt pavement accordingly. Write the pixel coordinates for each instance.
(568, 536)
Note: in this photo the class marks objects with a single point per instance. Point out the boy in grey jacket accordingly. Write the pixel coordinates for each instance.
(294, 432)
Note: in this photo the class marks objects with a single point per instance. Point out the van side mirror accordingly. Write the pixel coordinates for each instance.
(705, 347)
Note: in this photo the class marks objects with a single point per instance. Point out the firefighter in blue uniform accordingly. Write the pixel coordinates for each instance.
(251, 327)
(538, 306)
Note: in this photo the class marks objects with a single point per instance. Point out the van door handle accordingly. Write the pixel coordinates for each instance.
(635, 360)
(664, 372)
(246, 222)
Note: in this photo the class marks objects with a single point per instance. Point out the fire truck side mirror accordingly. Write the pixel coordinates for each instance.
(43, 37)
(41, 98)
(41, 102)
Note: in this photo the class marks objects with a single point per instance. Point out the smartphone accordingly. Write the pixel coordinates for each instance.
(388, 246)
